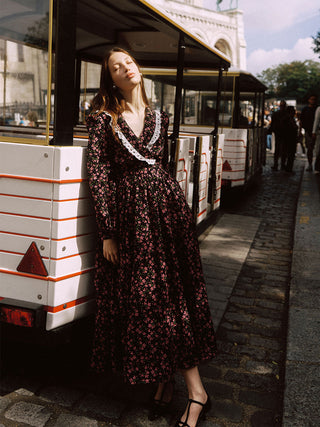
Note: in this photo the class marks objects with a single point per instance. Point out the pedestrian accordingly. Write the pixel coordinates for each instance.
(300, 133)
(278, 128)
(153, 317)
(290, 138)
(316, 139)
(307, 119)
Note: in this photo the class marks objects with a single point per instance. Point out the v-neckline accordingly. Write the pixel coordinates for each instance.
(138, 138)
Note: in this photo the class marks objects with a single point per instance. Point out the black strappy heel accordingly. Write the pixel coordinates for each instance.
(160, 407)
(205, 408)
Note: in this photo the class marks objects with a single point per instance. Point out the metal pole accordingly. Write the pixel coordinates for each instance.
(5, 81)
(177, 104)
(77, 92)
(214, 133)
(64, 95)
(236, 111)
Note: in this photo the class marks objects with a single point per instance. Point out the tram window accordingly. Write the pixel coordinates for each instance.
(23, 68)
(248, 110)
(153, 91)
(190, 115)
(169, 93)
(89, 86)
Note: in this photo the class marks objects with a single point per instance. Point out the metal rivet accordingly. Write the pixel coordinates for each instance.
(42, 247)
(39, 296)
(64, 248)
(64, 305)
(67, 168)
(46, 155)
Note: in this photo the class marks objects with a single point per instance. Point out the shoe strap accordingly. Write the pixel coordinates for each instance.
(195, 401)
(188, 410)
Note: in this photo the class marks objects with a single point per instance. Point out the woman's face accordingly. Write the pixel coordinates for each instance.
(124, 72)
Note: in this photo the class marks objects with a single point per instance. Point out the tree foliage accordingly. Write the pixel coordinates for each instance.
(316, 42)
(295, 80)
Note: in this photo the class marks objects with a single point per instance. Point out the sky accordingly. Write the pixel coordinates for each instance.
(277, 31)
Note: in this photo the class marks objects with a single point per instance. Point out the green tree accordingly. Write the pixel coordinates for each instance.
(295, 80)
(316, 42)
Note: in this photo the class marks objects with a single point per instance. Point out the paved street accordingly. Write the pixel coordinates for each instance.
(258, 298)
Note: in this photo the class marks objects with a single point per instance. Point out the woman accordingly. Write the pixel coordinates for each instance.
(153, 317)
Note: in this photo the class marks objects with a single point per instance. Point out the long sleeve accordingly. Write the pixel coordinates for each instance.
(101, 182)
(316, 122)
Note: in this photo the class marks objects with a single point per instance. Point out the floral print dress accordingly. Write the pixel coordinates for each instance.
(153, 316)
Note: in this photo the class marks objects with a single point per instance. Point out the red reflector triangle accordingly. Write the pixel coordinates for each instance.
(32, 262)
(226, 166)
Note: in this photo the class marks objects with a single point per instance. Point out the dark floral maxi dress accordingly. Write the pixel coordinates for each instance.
(153, 316)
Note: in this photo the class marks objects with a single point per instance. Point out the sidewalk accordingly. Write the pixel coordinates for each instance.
(302, 385)
(247, 262)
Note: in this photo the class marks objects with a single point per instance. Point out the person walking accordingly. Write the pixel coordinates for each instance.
(277, 127)
(153, 317)
(307, 119)
(290, 138)
(316, 139)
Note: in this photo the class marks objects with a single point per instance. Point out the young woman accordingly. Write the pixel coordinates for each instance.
(153, 317)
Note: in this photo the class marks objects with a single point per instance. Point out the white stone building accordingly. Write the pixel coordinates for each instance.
(221, 29)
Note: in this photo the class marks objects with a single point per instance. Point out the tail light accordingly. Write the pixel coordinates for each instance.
(29, 315)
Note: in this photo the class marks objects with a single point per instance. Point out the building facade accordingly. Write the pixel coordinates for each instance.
(221, 29)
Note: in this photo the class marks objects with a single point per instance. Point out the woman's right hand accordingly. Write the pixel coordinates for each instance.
(111, 251)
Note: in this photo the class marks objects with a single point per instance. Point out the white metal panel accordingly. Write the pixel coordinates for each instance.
(72, 227)
(26, 160)
(66, 247)
(23, 288)
(71, 208)
(21, 187)
(69, 314)
(70, 289)
(24, 225)
(25, 206)
(55, 268)
(20, 244)
(10, 261)
(204, 176)
(70, 190)
(183, 165)
(220, 142)
(69, 163)
(73, 264)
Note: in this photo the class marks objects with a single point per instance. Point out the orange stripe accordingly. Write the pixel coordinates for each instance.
(48, 219)
(204, 210)
(66, 305)
(68, 219)
(71, 237)
(45, 257)
(54, 181)
(45, 238)
(41, 198)
(25, 216)
(51, 279)
(70, 256)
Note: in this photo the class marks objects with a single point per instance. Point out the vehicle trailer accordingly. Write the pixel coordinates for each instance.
(240, 116)
(48, 235)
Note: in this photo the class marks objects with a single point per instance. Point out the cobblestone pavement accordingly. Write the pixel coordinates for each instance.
(247, 261)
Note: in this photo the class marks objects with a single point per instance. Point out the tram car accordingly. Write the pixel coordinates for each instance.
(240, 117)
(48, 236)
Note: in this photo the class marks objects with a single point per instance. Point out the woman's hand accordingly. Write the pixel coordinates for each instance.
(110, 251)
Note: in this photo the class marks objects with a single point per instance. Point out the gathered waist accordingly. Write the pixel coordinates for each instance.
(138, 168)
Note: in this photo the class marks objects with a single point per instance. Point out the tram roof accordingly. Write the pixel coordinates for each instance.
(148, 33)
(136, 25)
(208, 80)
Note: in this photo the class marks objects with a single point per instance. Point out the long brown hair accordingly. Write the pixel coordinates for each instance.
(109, 98)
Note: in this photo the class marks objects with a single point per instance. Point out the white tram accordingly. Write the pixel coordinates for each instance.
(47, 226)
